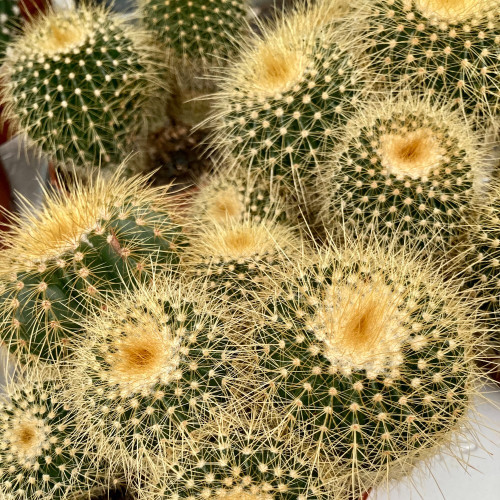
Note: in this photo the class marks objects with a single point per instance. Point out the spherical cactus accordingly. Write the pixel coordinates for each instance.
(447, 47)
(76, 83)
(232, 197)
(238, 465)
(370, 357)
(155, 365)
(237, 259)
(404, 167)
(198, 35)
(10, 20)
(78, 245)
(284, 97)
(42, 456)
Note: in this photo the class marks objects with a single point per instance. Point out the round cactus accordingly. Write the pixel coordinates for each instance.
(198, 35)
(237, 259)
(447, 47)
(153, 368)
(370, 357)
(284, 97)
(41, 454)
(10, 20)
(79, 244)
(404, 167)
(238, 465)
(76, 84)
(230, 198)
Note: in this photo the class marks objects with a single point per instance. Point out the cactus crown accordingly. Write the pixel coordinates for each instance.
(455, 10)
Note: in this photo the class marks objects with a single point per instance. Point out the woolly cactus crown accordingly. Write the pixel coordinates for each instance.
(369, 357)
(404, 167)
(74, 82)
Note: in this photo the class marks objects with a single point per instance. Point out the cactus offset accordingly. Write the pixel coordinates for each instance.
(370, 357)
(78, 245)
(404, 167)
(76, 83)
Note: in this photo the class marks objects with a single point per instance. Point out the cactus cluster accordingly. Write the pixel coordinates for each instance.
(404, 168)
(444, 47)
(78, 245)
(75, 82)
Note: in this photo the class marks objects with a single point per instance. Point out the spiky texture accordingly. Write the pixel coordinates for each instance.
(407, 168)
(237, 258)
(229, 198)
(153, 367)
(284, 97)
(369, 358)
(10, 20)
(199, 35)
(75, 83)
(42, 455)
(77, 246)
(237, 465)
(446, 47)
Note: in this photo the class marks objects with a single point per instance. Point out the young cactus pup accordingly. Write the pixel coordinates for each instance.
(407, 168)
(42, 455)
(237, 259)
(76, 83)
(78, 245)
(284, 97)
(445, 47)
(370, 357)
(154, 365)
(198, 35)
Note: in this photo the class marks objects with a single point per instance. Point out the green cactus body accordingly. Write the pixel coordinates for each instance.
(404, 168)
(369, 358)
(76, 82)
(41, 455)
(238, 259)
(445, 48)
(155, 365)
(238, 466)
(78, 246)
(10, 20)
(285, 97)
(229, 198)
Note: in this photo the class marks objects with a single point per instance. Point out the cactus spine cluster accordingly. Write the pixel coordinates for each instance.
(41, 454)
(74, 82)
(284, 98)
(78, 245)
(406, 168)
(10, 19)
(444, 47)
(369, 357)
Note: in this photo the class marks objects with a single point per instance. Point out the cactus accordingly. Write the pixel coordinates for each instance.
(10, 19)
(238, 465)
(78, 245)
(153, 367)
(76, 84)
(238, 258)
(444, 47)
(369, 354)
(198, 35)
(404, 167)
(232, 198)
(42, 456)
(284, 98)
